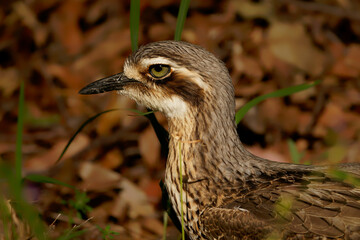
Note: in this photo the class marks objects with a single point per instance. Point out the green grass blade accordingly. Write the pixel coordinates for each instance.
(19, 136)
(27, 212)
(184, 6)
(72, 234)
(140, 113)
(279, 93)
(134, 23)
(45, 179)
(80, 129)
(294, 153)
(165, 220)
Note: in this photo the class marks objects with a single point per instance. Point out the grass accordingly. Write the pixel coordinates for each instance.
(27, 213)
(295, 155)
(165, 221)
(107, 233)
(80, 129)
(134, 23)
(31, 217)
(19, 137)
(279, 93)
(184, 6)
(17, 215)
(15, 180)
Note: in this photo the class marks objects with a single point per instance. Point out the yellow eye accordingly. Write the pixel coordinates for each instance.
(159, 70)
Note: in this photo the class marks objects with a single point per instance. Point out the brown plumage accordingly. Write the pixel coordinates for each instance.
(228, 193)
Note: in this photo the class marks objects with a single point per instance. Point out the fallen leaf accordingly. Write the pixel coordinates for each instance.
(46, 160)
(131, 201)
(9, 81)
(95, 177)
(290, 43)
(153, 225)
(112, 159)
(64, 24)
(149, 147)
(249, 9)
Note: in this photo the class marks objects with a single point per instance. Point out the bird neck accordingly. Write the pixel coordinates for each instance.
(206, 153)
(207, 144)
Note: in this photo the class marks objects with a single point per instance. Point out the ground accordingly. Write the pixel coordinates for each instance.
(57, 47)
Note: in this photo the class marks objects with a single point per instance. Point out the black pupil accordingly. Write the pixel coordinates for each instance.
(158, 68)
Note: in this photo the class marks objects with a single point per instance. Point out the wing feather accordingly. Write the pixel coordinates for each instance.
(317, 209)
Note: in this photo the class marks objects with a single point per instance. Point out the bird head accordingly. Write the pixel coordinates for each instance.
(173, 77)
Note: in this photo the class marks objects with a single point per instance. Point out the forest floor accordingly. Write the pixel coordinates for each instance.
(57, 47)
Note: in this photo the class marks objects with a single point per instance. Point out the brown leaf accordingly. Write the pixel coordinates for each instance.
(66, 75)
(96, 177)
(131, 201)
(247, 65)
(46, 160)
(109, 48)
(152, 189)
(153, 225)
(160, 31)
(333, 116)
(353, 56)
(290, 43)
(29, 19)
(348, 65)
(9, 81)
(112, 159)
(149, 147)
(64, 24)
(250, 9)
(111, 119)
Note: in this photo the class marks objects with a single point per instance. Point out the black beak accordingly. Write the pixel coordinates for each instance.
(112, 83)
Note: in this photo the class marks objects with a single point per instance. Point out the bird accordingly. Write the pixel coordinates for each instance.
(216, 186)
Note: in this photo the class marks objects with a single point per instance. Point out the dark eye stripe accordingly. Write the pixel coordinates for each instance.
(179, 85)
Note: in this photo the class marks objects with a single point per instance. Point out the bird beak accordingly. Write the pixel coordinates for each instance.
(112, 83)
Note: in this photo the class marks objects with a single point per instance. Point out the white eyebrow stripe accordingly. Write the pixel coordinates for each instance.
(196, 78)
(158, 60)
(193, 76)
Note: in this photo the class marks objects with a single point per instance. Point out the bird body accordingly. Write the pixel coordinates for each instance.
(227, 192)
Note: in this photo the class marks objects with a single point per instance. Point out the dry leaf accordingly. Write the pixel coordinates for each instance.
(112, 159)
(153, 225)
(131, 201)
(250, 9)
(46, 160)
(149, 147)
(9, 81)
(111, 119)
(64, 24)
(96, 177)
(290, 43)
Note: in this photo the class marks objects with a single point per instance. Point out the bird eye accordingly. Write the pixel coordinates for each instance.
(159, 70)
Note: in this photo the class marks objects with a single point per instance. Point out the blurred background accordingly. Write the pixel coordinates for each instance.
(58, 46)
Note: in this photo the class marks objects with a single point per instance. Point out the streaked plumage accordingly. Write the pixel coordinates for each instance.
(229, 193)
